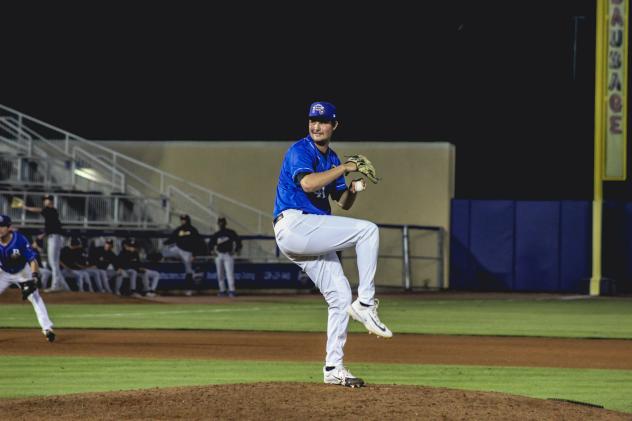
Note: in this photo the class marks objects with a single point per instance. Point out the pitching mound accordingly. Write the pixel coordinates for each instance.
(298, 401)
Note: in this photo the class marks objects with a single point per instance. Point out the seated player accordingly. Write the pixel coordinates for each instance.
(105, 261)
(129, 264)
(73, 264)
(149, 269)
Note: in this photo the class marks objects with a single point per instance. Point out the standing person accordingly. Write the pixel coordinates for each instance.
(46, 274)
(225, 242)
(19, 267)
(309, 235)
(53, 230)
(184, 242)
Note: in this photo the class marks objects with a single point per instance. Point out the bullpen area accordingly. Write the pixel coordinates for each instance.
(453, 356)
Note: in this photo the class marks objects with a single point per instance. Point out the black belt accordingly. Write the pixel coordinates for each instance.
(280, 216)
(277, 219)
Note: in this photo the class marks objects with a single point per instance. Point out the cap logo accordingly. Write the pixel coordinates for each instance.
(318, 108)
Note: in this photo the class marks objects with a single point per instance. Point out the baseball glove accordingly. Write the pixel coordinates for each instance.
(16, 202)
(364, 166)
(27, 288)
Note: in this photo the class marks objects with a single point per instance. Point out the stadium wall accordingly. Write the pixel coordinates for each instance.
(535, 246)
(417, 186)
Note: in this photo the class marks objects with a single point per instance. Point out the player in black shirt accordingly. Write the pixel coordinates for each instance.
(105, 261)
(53, 231)
(129, 264)
(225, 242)
(74, 263)
(185, 242)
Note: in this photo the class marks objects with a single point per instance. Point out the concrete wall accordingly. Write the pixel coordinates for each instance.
(416, 188)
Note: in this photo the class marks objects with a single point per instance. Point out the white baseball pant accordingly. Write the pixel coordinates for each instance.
(151, 279)
(54, 243)
(100, 279)
(132, 274)
(6, 279)
(106, 276)
(46, 276)
(225, 265)
(81, 276)
(311, 241)
(186, 256)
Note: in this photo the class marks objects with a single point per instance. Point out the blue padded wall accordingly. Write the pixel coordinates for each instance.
(576, 246)
(537, 246)
(617, 245)
(461, 267)
(624, 283)
(492, 243)
(540, 246)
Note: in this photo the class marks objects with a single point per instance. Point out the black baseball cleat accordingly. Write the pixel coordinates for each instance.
(354, 382)
(50, 335)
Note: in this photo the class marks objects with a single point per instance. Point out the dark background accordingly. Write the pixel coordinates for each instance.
(511, 84)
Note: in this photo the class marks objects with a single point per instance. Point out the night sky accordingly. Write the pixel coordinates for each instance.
(510, 84)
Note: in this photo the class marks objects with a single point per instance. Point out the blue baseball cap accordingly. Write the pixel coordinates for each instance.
(5, 221)
(321, 110)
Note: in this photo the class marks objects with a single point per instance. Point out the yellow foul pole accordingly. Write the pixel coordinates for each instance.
(600, 70)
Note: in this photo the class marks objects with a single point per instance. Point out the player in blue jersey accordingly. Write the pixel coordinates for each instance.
(18, 264)
(309, 235)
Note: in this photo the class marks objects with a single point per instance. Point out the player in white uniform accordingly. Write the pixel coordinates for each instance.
(19, 267)
(309, 235)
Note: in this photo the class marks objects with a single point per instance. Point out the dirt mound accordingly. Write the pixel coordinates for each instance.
(298, 401)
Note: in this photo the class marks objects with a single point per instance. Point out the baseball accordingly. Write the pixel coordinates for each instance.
(358, 185)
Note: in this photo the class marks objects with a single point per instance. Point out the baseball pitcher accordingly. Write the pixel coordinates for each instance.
(309, 235)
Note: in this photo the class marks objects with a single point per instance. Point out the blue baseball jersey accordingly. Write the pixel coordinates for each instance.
(16, 254)
(304, 157)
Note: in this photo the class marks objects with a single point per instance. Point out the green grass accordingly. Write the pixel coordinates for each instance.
(39, 376)
(590, 318)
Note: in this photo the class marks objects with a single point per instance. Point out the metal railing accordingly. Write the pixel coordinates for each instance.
(424, 244)
(86, 166)
(410, 256)
(19, 170)
(80, 171)
(88, 210)
(31, 132)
